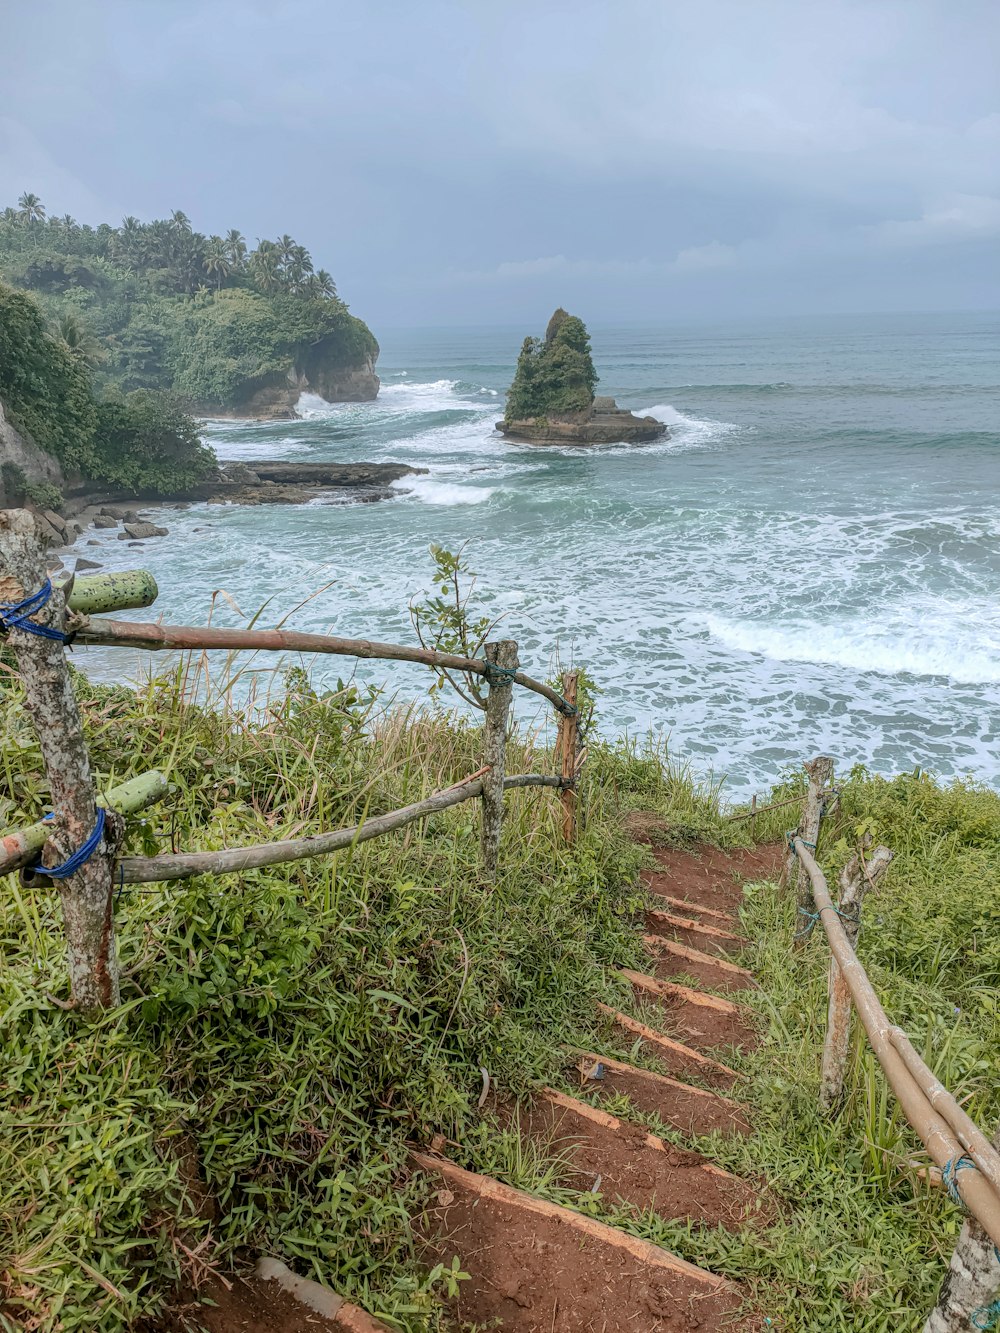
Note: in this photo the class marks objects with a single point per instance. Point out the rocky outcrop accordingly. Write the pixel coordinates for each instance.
(295, 483)
(273, 397)
(22, 464)
(605, 423)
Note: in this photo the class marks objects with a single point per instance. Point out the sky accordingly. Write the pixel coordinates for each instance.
(481, 161)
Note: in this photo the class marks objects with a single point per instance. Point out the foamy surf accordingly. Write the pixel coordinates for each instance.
(432, 492)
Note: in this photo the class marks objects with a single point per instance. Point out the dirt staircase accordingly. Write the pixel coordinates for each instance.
(537, 1267)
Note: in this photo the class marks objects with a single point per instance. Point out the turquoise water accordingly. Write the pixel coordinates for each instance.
(809, 562)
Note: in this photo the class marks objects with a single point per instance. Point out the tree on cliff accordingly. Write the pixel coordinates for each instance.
(554, 377)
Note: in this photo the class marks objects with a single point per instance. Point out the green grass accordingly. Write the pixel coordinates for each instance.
(285, 1034)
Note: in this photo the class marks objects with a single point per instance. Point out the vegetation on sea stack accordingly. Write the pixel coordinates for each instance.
(158, 305)
(555, 376)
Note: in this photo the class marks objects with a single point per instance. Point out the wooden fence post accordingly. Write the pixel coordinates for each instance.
(41, 662)
(971, 1284)
(503, 656)
(820, 773)
(857, 877)
(568, 732)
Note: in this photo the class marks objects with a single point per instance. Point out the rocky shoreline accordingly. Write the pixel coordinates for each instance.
(604, 423)
(237, 483)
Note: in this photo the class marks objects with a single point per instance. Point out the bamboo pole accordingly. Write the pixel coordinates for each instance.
(128, 590)
(153, 637)
(20, 846)
(503, 656)
(568, 729)
(185, 865)
(856, 879)
(41, 663)
(820, 773)
(911, 1090)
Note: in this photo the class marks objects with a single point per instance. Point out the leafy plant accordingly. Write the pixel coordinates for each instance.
(444, 624)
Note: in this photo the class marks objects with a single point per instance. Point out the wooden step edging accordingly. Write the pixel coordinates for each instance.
(488, 1188)
(675, 1085)
(564, 1102)
(673, 990)
(679, 923)
(666, 1043)
(319, 1299)
(688, 906)
(684, 951)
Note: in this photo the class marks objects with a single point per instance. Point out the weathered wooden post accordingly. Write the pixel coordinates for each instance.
(568, 732)
(970, 1292)
(857, 877)
(820, 773)
(27, 598)
(502, 658)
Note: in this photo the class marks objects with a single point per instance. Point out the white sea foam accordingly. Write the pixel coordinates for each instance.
(959, 643)
(432, 492)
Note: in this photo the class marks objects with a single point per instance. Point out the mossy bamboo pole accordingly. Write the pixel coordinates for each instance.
(20, 846)
(128, 590)
(857, 877)
(913, 1087)
(568, 731)
(48, 690)
(183, 638)
(185, 865)
(503, 656)
(820, 774)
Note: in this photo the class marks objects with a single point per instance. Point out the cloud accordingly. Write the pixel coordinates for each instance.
(701, 257)
(963, 217)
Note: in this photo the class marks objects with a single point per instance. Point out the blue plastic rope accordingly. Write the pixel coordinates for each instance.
(949, 1175)
(16, 615)
(80, 857)
(498, 675)
(987, 1316)
(792, 836)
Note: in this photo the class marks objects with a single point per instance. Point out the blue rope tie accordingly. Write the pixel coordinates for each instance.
(949, 1176)
(792, 836)
(16, 615)
(814, 917)
(80, 857)
(499, 675)
(987, 1316)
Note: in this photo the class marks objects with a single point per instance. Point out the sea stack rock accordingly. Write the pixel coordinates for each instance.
(552, 398)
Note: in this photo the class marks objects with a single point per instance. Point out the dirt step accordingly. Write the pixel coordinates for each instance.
(258, 1305)
(708, 916)
(704, 1021)
(628, 1164)
(712, 877)
(539, 1268)
(674, 1055)
(694, 1110)
(710, 939)
(672, 959)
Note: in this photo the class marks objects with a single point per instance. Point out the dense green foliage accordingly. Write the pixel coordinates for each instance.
(139, 442)
(158, 305)
(555, 376)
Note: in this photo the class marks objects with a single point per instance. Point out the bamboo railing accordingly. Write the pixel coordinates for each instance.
(39, 620)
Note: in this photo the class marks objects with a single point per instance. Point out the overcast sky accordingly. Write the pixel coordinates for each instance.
(479, 161)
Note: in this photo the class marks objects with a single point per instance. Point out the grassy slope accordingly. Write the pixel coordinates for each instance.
(296, 1026)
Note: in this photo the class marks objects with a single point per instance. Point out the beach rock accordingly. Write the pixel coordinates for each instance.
(93, 542)
(240, 474)
(139, 531)
(82, 564)
(117, 512)
(609, 426)
(105, 521)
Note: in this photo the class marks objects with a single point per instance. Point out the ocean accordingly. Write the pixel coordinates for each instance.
(807, 563)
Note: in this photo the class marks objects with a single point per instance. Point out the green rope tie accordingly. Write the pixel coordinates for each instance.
(814, 917)
(499, 675)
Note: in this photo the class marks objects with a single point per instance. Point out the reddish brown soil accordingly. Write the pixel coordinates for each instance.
(712, 940)
(250, 1307)
(701, 1027)
(667, 966)
(677, 1064)
(677, 1105)
(712, 877)
(626, 1168)
(532, 1274)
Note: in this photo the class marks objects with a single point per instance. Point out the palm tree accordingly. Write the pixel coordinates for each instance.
(179, 221)
(78, 339)
(235, 248)
(286, 247)
(70, 224)
(264, 266)
(325, 284)
(10, 216)
(217, 264)
(32, 208)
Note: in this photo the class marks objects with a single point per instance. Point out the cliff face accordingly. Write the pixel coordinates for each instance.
(32, 464)
(273, 397)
